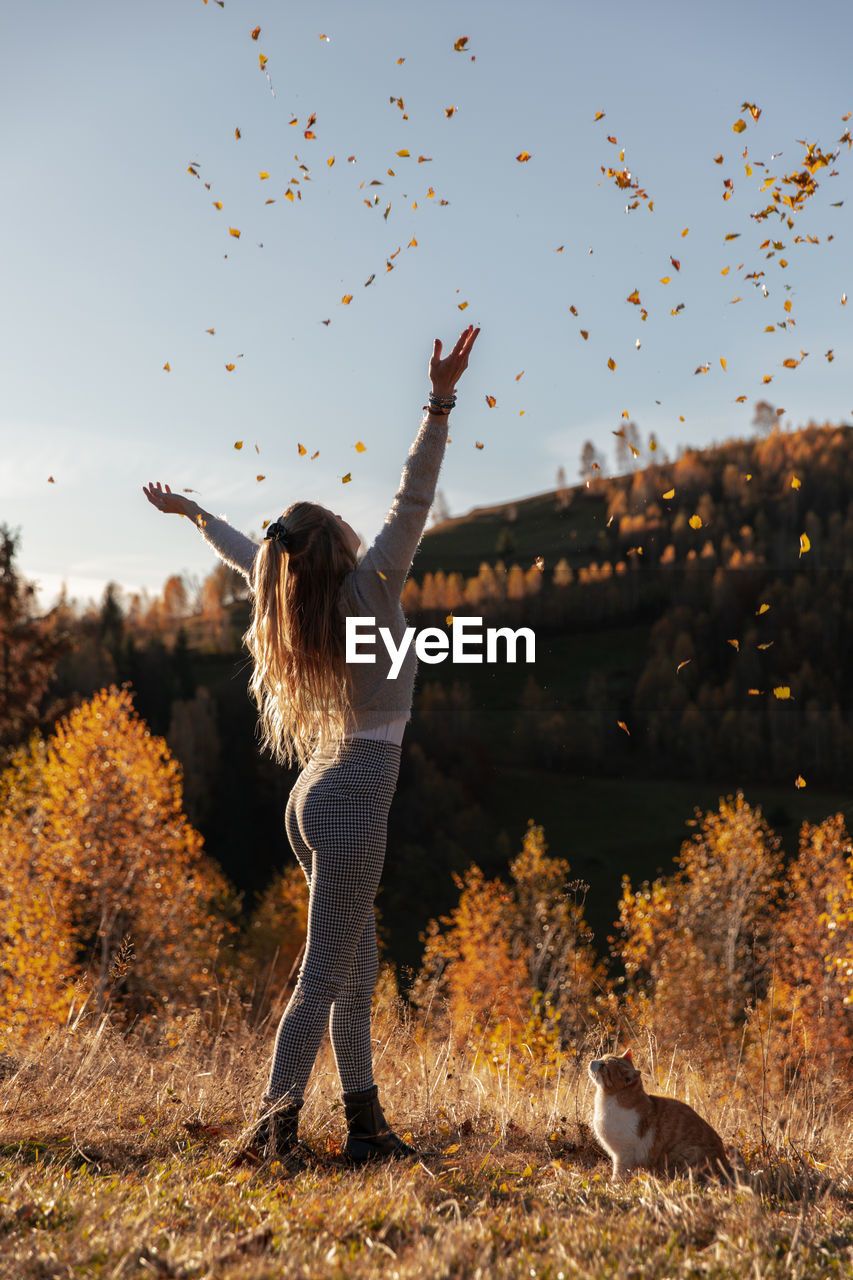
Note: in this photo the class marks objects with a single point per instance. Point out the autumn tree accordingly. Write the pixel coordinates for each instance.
(697, 946)
(102, 828)
(507, 951)
(29, 649)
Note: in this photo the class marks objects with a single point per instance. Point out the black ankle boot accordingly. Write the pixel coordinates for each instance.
(276, 1137)
(370, 1137)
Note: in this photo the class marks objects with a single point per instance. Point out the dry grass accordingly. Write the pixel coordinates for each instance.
(117, 1160)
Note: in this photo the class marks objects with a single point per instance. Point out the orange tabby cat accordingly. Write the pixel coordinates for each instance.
(642, 1131)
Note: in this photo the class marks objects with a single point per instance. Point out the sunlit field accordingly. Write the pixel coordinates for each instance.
(120, 1156)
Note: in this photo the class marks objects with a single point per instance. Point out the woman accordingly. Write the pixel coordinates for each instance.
(344, 724)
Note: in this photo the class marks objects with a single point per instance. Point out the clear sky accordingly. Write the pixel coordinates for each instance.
(116, 260)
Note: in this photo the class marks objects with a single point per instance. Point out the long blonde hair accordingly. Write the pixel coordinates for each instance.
(296, 636)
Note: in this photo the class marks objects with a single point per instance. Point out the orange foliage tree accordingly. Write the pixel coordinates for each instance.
(698, 946)
(516, 953)
(95, 818)
(813, 989)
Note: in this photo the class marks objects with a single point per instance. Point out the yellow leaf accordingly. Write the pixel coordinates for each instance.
(346, 299)
(288, 195)
(799, 781)
(739, 126)
(523, 156)
(232, 231)
(262, 60)
(805, 544)
(462, 305)
(762, 608)
(695, 522)
(403, 153)
(263, 175)
(413, 244)
(622, 725)
(740, 399)
(754, 693)
(795, 482)
(670, 493)
(665, 279)
(359, 447)
(685, 231)
(449, 621)
(528, 1172)
(768, 377)
(302, 450)
(459, 45)
(217, 204)
(599, 115)
(723, 363)
(788, 304)
(768, 644)
(330, 161)
(634, 297)
(685, 663)
(346, 479)
(725, 271)
(782, 692)
(735, 644)
(238, 444)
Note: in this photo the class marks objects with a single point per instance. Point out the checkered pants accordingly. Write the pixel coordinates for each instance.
(336, 823)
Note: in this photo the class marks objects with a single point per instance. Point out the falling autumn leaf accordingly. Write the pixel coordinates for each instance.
(403, 154)
(230, 367)
(167, 367)
(519, 376)
(260, 478)
(805, 544)
(346, 479)
(739, 126)
(523, 156)
(634, 297)
(263, 175)
(50, 480)
(460, 44)
(685, 663)
(584, 334)
(359, 447)
(302, 450)
(263, 60)
(670, 493)
(232, 231)
(238, 134)
(622, 725)
(478, 444)
(491, 401)
(217, 204)
(462, 305)
(795, 482)
(256, 33)
(695, 522)
(735, 644)
(346, 299)
(782, 692)
(762, 608)
(448, 111)
(799, 782)
(238, 444)
(611, 364)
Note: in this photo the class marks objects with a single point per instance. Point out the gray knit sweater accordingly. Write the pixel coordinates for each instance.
(373, 589)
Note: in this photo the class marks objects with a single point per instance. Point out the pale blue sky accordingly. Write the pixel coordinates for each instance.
(114, 256)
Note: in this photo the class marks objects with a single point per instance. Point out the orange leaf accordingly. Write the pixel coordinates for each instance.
(478, 445)
(611, 364)
(230, 367)
(491, 401)
(238, 444)
(460, 44)
(330, 161)
(359, 447)
(523, 156)
(695, 522)
(448, 111)
(685, 663)
(782, 692)
(739, 126)
(237, 134)
(259, 478)
(762, 608)
(599, 115)
(462, 305)
(735, 644)
(256, 33)
(346, 479)
(622, 725)
(403, 153)
(232, 231)
(665, 279)
(799, 781)
(584, 334)
(685, 232)
(302, 450)
(413, 244)
(346, 299)
(634, 297)
(167, 367)
(217, 204)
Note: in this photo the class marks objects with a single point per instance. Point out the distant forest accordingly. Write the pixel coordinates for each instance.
(693, 622)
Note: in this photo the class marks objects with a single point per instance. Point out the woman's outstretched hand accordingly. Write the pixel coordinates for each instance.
(444, 374)
(161, 497)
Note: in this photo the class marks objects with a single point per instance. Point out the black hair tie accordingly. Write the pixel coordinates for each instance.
(279, 532)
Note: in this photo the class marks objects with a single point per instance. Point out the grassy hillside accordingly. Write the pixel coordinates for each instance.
(117, 1159)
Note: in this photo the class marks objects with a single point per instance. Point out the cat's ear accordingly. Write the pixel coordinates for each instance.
(627, 1055)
